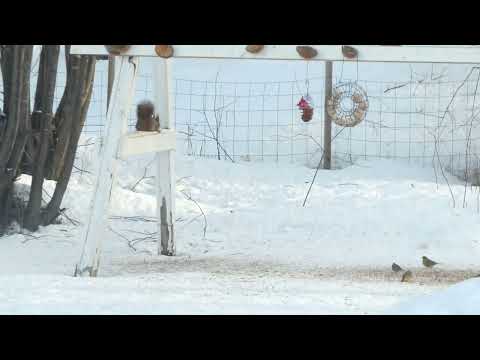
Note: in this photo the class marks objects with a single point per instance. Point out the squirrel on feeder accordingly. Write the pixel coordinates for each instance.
(146, 118)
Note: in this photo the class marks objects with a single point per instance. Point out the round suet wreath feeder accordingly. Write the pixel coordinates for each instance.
(348, 104)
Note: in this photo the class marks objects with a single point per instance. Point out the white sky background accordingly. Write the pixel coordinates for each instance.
(254, 70)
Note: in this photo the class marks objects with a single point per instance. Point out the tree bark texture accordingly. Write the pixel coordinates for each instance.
(43, 143)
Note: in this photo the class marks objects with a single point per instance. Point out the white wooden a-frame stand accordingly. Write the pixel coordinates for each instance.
(116, 143)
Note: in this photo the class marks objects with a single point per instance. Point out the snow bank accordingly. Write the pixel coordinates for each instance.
(459, 299)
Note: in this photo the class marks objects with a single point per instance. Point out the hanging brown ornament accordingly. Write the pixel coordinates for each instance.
(306, 106)
(307, 114)
(307, 52)
(349, 52)
(164, 51)
(254, 49)
(117, 49)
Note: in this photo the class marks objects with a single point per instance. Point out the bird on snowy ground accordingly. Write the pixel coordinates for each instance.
(428, 263)
(396, 268)
(407, 276)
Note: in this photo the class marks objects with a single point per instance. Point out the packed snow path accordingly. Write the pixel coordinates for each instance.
(214, 286)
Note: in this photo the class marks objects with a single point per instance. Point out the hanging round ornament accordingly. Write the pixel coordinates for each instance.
(348, 104)
(306, 106)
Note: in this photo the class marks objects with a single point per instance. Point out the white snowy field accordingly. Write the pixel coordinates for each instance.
(262, 253)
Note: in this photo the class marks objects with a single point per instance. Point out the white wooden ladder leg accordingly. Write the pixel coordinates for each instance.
(116, 127)
(165, 164)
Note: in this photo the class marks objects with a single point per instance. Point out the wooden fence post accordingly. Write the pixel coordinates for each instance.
(327, 134)
(111, 78)
(165, 163)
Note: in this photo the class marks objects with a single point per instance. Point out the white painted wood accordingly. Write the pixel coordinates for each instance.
(161, 76)
(469, 54)
(165, 163)
(116, 125)
(166, 203)
(144, 142)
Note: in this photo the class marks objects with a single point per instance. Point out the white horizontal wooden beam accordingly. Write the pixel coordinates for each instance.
(143, 142)
(468, 54)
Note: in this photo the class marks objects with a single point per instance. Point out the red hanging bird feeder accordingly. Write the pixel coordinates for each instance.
(306, 106)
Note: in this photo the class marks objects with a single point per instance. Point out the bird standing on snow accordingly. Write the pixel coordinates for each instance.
(428, 263)
(396, 268)
(407, 276)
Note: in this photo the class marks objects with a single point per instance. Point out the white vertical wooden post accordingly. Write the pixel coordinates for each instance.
(327, 131)
(111, 78)
(116, 126)
(165, 163)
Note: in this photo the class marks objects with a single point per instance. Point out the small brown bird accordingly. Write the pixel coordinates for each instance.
(396, 268)
(427, 262)
(407, 276)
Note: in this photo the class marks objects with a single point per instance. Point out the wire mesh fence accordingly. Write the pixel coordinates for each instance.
(259, 121)
(420, 120)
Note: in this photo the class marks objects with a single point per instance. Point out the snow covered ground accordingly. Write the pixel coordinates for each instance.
(262, 253)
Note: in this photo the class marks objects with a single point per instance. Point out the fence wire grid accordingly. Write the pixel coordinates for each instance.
(260, 121)
(417, 120)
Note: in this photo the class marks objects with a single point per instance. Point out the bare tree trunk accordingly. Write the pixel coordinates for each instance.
(62, 121)
(73, 115)
(15, 63)
(41, 120)
(52, 140)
